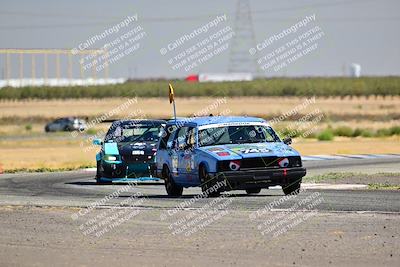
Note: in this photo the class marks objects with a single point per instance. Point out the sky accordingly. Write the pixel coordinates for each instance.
(362, 32)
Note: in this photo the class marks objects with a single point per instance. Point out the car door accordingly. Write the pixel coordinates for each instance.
(173, 155)
(56, 125)
(165, 150)
(185, 143)
(62, 125)
(190, 159)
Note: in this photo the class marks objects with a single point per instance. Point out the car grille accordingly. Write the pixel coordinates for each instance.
(259, 163)
(135, 158)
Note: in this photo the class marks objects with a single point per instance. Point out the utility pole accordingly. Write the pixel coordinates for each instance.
(240, 59)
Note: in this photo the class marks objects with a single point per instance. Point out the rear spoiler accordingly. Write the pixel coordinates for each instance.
(109, 120)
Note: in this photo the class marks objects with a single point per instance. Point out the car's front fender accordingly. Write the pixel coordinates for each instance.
(207, 160)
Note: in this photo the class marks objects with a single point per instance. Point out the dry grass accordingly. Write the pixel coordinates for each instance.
(42, 150)
(356, 112)
(33, 154)
(38, 130)
(157, 107)
(349, 146)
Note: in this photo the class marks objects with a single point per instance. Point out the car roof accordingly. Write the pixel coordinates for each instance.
(140, 121)
(199, 121)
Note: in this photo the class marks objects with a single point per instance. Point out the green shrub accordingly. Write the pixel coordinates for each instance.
(383, 132)
(343, 131)
(28, 127)
(365, 86)
(288, 132)
(357, 132)
(367, 133)
(395, 130)
(91, 131)
(325, 135)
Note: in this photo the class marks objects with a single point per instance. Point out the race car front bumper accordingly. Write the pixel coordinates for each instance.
(122, 169)
(260, 178)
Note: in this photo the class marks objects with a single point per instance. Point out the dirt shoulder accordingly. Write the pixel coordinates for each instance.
(44, 236)
(375, 181)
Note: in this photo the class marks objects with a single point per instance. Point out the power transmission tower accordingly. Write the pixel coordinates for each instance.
(240, 59)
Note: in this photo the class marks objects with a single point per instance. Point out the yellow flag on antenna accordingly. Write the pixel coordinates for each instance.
(171, 93)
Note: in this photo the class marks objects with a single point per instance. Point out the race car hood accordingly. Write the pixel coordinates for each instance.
(129, 148)
(239, 151)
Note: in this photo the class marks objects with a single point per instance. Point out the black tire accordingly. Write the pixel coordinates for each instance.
(170, 186)
(46, 129)
(99, 174)
(207, 183)
(293, 188)
(253, 191)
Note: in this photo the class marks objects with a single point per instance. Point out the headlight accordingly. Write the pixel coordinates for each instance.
(234, 165)
(283, 162)
(295, 161)
(110, 157)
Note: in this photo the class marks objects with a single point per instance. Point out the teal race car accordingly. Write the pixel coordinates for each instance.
(128, 150)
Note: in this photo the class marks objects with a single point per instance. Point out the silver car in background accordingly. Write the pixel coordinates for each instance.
(66, 124)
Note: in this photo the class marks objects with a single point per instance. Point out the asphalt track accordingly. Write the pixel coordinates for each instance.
(78, 189)
(41, 223)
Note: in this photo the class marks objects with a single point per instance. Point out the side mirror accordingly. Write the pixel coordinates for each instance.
(97, 142)
(287, 141)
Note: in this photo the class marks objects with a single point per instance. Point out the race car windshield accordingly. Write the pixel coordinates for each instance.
(133, 133)
(237, 135)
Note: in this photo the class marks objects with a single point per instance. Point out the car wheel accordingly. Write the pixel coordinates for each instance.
(46, 129)
(206, 183)
(170, 186)
(99, 174)
(253, 191)
(293, 188)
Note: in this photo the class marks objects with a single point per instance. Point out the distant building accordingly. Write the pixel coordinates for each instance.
(220, 77)
(355, 70)
(59, 82)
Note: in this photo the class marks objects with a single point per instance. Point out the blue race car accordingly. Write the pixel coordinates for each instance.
(128, 150)
(226, 153)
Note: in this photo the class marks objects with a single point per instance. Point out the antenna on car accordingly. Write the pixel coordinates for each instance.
(172, 99)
